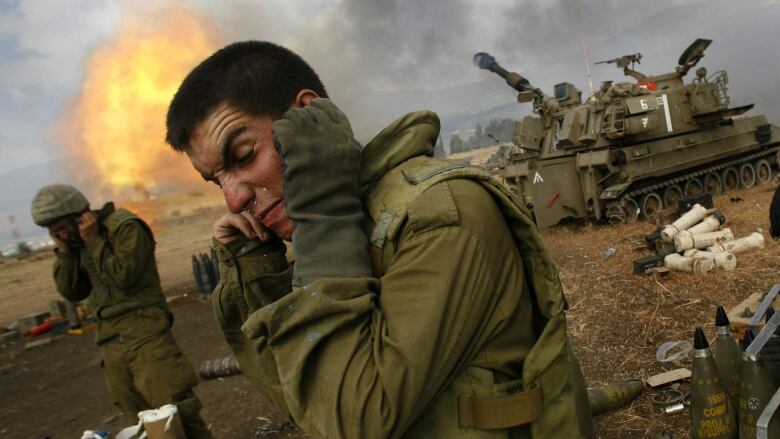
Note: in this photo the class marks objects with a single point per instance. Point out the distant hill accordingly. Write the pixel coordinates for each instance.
(460, 108)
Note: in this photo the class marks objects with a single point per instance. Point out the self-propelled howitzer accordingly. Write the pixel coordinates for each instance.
(633, 148)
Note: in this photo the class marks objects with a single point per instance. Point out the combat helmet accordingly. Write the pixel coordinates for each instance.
(55, 201)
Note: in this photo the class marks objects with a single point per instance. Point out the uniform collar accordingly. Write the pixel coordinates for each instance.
(412, 135)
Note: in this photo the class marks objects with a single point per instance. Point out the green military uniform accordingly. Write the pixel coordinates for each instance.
(143, 366)
(459, 332)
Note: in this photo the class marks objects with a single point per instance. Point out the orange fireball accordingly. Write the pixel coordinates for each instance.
(115, 130)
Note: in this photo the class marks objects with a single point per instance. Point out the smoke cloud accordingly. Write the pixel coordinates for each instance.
(368, 50)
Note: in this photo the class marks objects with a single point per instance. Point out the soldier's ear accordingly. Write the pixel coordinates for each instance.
(304, 98)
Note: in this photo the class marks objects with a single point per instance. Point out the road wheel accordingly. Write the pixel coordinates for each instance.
(693, 187)
(651, 205)
(713, 184)
(615, 213)
(747, 175)
(672, 195)
(730, 179)
(763, 171)
(631, 209)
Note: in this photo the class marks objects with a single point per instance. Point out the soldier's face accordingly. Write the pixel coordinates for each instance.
(236, 151)
(65, 230)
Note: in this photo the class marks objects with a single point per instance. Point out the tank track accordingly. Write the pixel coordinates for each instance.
(637, 193)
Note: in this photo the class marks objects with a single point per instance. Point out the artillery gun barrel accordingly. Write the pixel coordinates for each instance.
(485, 61)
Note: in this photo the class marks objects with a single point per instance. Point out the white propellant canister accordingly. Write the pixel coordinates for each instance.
(690, 218)
(686, 241)
(741, 245)
(724, 260)
(709, 224)
(681, 263)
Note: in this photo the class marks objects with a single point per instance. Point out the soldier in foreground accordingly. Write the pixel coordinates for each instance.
(109, 253)
(422, 302)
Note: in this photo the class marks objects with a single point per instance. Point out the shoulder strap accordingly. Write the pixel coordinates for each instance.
(122, 216)
(389, 199)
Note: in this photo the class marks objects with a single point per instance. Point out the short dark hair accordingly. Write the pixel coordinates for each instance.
(256, 77)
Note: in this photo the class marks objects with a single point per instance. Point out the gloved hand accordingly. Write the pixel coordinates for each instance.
(320, 165)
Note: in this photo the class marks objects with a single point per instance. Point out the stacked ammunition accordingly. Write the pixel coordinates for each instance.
(697, 243)
(205, 271)
(725, 381)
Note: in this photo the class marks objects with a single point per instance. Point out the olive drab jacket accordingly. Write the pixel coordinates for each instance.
(459, 333)
(118, 268)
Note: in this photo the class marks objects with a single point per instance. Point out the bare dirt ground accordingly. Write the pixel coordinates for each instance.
(57, 390)
(616, 320)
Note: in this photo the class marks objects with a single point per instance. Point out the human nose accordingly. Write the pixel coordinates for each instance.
(237, 194)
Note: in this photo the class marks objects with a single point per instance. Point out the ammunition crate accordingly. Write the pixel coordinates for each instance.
(644, 266)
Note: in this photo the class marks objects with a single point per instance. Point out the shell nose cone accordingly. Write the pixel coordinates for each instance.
(699, 340)
(721, 319)
(747, 339)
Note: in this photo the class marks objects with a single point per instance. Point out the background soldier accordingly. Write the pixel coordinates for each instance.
(421, 303)
(774, 214)
(110, 254)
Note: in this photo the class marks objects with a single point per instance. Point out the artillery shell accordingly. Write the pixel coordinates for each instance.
(614, 396)
(219, 368)
(711, 413)
(727, 355)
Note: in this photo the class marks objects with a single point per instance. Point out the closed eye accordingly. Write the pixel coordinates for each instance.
(210, 179)
(246, 158)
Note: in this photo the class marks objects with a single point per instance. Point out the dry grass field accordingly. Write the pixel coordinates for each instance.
(617, 320)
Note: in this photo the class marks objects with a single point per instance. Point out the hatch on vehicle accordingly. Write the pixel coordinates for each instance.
(693, 54)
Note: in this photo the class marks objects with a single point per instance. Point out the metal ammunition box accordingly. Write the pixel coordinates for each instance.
(644, 266)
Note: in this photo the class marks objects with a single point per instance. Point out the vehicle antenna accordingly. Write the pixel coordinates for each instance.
(584, 46)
